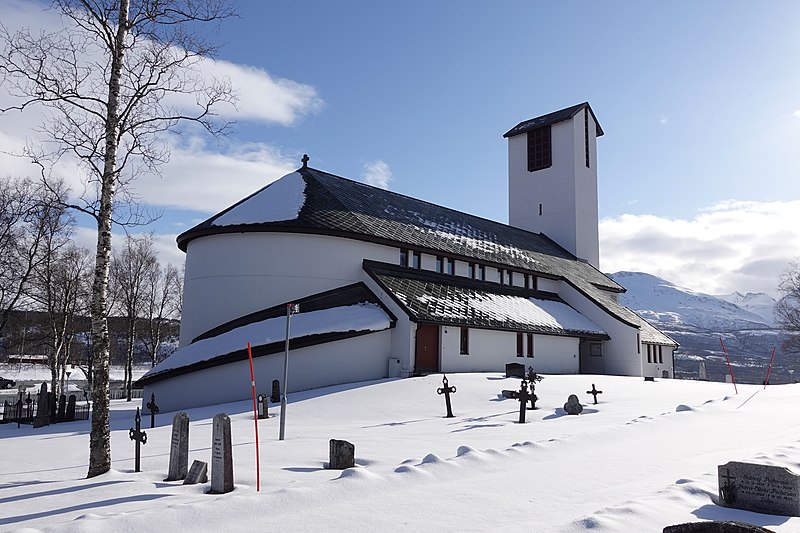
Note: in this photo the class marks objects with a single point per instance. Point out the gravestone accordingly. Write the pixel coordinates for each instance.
(276, 391)
(179, 447)
(42, 408)
(759, 488)
(262, 407)
(716, 527)
(52, 402)
(649, 378)
(62, 408)
(71, 408)
(703, 375)
(573, 406)
(342, 455)
(140, 437)
(446, 390)
(515, 370)
(198, 473)
(594, 392)
(221, 456)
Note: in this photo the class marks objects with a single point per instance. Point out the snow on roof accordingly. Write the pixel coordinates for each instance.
(543, 313)
(358, 317)
(279, 201)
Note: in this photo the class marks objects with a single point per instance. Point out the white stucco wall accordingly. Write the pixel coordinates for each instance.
(654, 368)
(567, 190)
(489, 351)
(346, 361)
(620, 355)
(231, 275)
(548, 285)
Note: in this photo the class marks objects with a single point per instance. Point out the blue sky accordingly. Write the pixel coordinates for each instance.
(699, 101)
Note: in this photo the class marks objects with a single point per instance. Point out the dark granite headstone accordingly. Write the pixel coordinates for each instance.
(573, 406)
(715, 527)
(262, 407)
(42, 408)
(342, 455)
(71, 408)
(179, 447)
(759, 488)
(62, 408)
(221, 456)
(276, 391)
(515, 370)
(198, 473)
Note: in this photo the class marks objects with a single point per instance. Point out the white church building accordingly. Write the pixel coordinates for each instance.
(392, 286)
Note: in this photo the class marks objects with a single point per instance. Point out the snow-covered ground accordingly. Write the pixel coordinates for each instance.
(645, 457)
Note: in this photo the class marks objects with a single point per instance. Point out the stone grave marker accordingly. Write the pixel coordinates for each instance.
(573, 406)
(446, 390)
(42, 408)
(276, 392)
(71, 408)
(221, 456)
(198, 473)
(342, 455)
(62, 408)
(594, 392)
(759, 488)
(52, 402)
(262, 407)
(515, 370)
(179, 447)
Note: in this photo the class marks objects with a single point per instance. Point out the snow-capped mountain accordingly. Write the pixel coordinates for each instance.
(668, 305)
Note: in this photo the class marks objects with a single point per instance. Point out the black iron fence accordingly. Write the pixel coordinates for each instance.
(26, 411)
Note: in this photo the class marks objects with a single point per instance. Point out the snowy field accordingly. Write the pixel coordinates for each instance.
(645, 457)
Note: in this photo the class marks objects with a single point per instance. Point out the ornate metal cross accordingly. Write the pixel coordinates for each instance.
(727, 492)
(140, 437)
(594, 392)
(151, 405)
(523, 398)
(446, 390)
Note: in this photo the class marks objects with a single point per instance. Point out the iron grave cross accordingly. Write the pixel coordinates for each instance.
(446, 390)
(523, 398)
(140, 437)
(594, 392)
(151, 405)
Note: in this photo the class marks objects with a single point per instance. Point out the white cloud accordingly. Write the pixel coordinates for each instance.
(796, 114)
(164, 243)
(730, 246)
(663, 119)
(377, 173)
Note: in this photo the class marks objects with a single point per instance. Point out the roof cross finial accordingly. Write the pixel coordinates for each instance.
(305, 160)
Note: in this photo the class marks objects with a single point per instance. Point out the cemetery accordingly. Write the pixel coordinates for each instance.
(372, 444)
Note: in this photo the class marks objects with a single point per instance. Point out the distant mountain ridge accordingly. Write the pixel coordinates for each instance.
(697, 321)
(661, 301)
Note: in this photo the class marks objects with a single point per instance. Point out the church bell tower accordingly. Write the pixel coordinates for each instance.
(552, 179)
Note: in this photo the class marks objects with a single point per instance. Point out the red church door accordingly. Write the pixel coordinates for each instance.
(427, 351)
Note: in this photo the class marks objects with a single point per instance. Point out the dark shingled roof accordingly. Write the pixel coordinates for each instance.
(342, 207)
(553, 118)
(456, 301)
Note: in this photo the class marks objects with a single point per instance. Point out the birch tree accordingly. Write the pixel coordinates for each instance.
(108, 81)
(787, 309)
(163, 289)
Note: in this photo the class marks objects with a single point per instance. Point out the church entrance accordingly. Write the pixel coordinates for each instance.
(427, 350)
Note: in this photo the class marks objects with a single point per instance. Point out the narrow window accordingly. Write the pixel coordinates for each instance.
(481, 273)
(638, 344)
(660, 355)
(596, 349)
(649, 356)
(500, 276)
(439, 262)
(530, 344)
(464, 341)
(403, 257)
(510, 277)
(520, 341)
(539, 149)
(451, 267)
(540, 209)
(416, 260)
(471, 271)
(527, 281)
(586, 134)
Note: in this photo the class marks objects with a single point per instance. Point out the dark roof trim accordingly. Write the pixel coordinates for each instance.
(553, 118)
(340, 296)
(258, 351)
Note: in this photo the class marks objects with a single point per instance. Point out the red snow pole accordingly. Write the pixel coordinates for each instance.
(769, 369)
(255, 416)
(729, 365)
